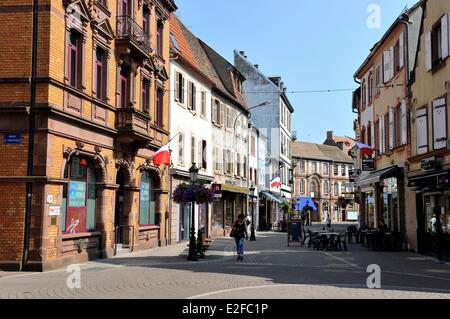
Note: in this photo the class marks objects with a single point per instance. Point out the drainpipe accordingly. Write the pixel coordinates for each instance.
(29, 185)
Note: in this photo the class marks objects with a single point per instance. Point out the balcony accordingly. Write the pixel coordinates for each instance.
(132, 39)
(133, 127)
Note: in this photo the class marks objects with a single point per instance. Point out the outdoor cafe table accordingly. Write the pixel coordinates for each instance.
(328, 237)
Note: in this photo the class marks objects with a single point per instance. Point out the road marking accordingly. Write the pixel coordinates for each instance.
(342, 260)
(414, 290)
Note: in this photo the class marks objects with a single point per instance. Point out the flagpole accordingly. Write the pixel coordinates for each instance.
(151, 157)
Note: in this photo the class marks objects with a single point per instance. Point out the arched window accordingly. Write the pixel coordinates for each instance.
(79, 196)
(147, 205)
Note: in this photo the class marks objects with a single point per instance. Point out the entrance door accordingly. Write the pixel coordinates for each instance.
(184, 222)
(118, 217)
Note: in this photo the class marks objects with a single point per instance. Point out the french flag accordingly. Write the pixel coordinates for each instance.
(162, 156)
(365, 149)
(276, 183)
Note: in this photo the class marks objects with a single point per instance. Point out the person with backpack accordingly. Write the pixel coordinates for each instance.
(239, 232)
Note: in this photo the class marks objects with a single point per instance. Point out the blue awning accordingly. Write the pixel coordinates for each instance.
(272, 197)
(303, 201)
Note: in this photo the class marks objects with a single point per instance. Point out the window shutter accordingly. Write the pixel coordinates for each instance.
(391, 128)
(440, 125)
(222, 113)
(367, 91)
(213, 111)
(445, 35)
(402, 50)
(177, 86)
(194, 97)
(382, 135)
(386, 66)
(200, 154)
(403, 124)
(428, 57)
(422, 131)
(391, 57)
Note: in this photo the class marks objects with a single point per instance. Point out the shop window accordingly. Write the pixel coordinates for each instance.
(147, 205)
(79, 197)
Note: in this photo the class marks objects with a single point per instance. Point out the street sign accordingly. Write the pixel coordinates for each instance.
(217, 191)
(11, 139)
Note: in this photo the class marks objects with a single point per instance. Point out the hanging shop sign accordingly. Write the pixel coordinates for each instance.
(368, 164)
(217, 191)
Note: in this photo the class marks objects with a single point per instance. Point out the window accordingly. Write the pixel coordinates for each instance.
(336, 170)
(302, 166)
(377, 79)
(145, 91)
(225, 161)
(229, 117)
(159, 38)
(326, 187)
(336, 189)
(100, 74)
(403, 123)
(391, 128)
(146, 20)
(314, 167)
(343, 173)
(202, 154)
(181, 149)
(75, 59)
(370, 88)
(217, 166)
(203, 110)
(147, 200)
(159, 107)
(326, 168)
(79, 197)
(218, 110)
(193, 141)
(191, 96)
(302, 186)
(439, 124)
(382, 135)
(244, 165)
(238, 165)
(364, 94)
(313, 188)
(369, 134)
(437, 43)
(179, 87)
(124, 87)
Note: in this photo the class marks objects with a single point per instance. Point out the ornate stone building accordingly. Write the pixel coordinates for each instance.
(78, 141)
(321, 180)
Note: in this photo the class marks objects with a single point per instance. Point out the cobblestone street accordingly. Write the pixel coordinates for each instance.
(270, 270)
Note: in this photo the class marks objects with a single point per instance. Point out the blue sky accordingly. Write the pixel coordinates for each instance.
(312, 44)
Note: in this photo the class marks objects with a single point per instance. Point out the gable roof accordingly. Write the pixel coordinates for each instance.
(192, 51)
(320, 152)
(226, 71)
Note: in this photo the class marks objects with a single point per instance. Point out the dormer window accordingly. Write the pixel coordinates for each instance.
(239, 85)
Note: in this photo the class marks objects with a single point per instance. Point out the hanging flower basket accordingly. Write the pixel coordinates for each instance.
(188, 193)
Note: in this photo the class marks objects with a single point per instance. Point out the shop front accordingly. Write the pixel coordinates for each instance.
(433, 213)
(380, 200)
(226, 209)
(269, 205)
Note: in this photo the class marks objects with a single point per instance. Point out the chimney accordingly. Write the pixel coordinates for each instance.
(257, 66)
(243, 54)
(330, 135)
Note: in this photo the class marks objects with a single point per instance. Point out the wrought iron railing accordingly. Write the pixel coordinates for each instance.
(128, 29)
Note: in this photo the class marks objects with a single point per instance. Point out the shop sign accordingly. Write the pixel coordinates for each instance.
(444, 180)
(429, 164)
(368, 164)
(217, 191)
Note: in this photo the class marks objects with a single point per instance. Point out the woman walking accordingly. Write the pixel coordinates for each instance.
(240, 235)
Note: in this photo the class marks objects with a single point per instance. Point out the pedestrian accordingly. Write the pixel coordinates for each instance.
(329, 222)
(239, 232)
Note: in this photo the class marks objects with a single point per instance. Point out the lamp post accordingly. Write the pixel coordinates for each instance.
(252, 196)
(193, 174)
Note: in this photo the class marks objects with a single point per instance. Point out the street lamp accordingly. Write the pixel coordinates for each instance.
(251, 108)
(252, 196)
(193, 174)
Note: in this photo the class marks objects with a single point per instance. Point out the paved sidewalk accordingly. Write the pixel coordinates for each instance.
(270, 270)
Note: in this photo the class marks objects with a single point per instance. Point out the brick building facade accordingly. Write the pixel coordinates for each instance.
(101, 111)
